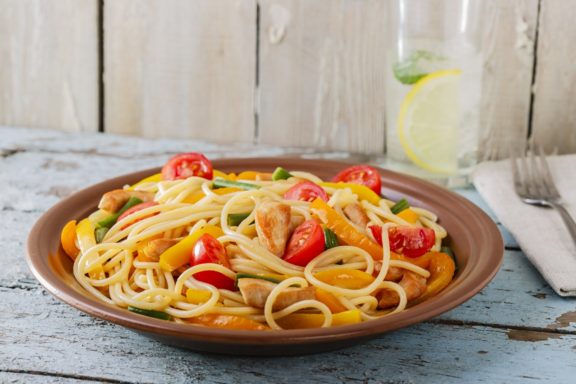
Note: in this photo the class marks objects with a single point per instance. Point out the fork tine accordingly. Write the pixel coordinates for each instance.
(535, 184)
(515, 171)
(532, 176)
(519, 173)
(546, 174)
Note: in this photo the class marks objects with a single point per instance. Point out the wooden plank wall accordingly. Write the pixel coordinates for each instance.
(180, 68)
(321, 78)
(290, 72)
(510, 30)
(554, 120)
(49, 64)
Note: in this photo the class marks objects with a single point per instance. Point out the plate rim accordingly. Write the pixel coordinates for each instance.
(426, 310)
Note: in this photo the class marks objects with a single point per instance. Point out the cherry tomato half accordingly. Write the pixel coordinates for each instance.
(410, 242)
(306, 191)
(361, 174)
(186, 165)
(135, 209)
(306, 243)
(210, 250)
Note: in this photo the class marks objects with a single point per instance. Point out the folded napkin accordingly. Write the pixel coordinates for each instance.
(540, 232)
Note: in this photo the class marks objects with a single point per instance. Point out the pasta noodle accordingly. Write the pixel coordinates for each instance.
(131, 262)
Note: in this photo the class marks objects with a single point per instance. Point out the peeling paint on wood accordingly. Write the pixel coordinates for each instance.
(532, 336)
(564, 320)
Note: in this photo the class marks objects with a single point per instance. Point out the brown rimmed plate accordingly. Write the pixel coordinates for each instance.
(473, 236)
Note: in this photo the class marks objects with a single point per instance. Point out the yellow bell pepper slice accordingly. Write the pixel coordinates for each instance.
(214, 320)
(253, 175)
(315, 320)
(345, 232)
(68, 239)
(194, 197)
(409, 215)
(250, 231)
(197, 296)
(85, 235)
(150, 179)
(330, 300)
(442, 270)
(345, 278)
(97, 273)
(362, 191)
(222, 175)
(225, 190)
(421, 261)
(179, 254)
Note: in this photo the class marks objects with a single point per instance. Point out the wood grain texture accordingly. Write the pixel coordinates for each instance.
(19, 376)
(516, 330)
(321, 74)
(509, 27)
(181, 68)
(49, 64)
(72, 343)
(554, 121)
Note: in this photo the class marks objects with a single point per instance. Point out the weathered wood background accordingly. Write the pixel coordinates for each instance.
(280, 72)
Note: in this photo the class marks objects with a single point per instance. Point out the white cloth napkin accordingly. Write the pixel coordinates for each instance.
(540, 232)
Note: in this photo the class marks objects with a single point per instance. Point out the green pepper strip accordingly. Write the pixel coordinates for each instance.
(100, 233)
(234, 219)
(252, 276)
(330, 239)
(401, 205)
(111, 220)
(150, 313)
(280, 174)
(221, 183)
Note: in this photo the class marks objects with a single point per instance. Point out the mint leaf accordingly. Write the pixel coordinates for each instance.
(410, 70)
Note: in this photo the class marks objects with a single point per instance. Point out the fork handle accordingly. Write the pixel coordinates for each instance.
(568, 220)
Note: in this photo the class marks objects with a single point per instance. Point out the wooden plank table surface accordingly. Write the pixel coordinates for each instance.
(515, 330)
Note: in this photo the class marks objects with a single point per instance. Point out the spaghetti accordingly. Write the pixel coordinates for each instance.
(257, 250)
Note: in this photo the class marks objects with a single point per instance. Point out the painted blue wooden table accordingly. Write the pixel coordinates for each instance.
(516, 330)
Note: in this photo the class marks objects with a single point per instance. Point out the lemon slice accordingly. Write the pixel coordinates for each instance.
(428, 121)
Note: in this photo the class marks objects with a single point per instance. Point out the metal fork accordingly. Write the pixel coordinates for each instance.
(534, 185)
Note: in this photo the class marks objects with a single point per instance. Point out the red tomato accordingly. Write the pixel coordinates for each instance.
(361, 174)
(306, 191)
(210, 250)
(411, 242)
(135, 209)
(186, 165)
(376, 232)
(306, 243)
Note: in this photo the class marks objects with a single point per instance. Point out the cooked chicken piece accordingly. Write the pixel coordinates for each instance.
(355, 213)
(154, 248)
(393, 273)
(413, 284)
(114, 200)
(273, 226)
(256, 291)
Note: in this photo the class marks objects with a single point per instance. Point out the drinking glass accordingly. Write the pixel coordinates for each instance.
(433, 88)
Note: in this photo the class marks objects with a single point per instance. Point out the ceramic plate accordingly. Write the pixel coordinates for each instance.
(473, 236)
